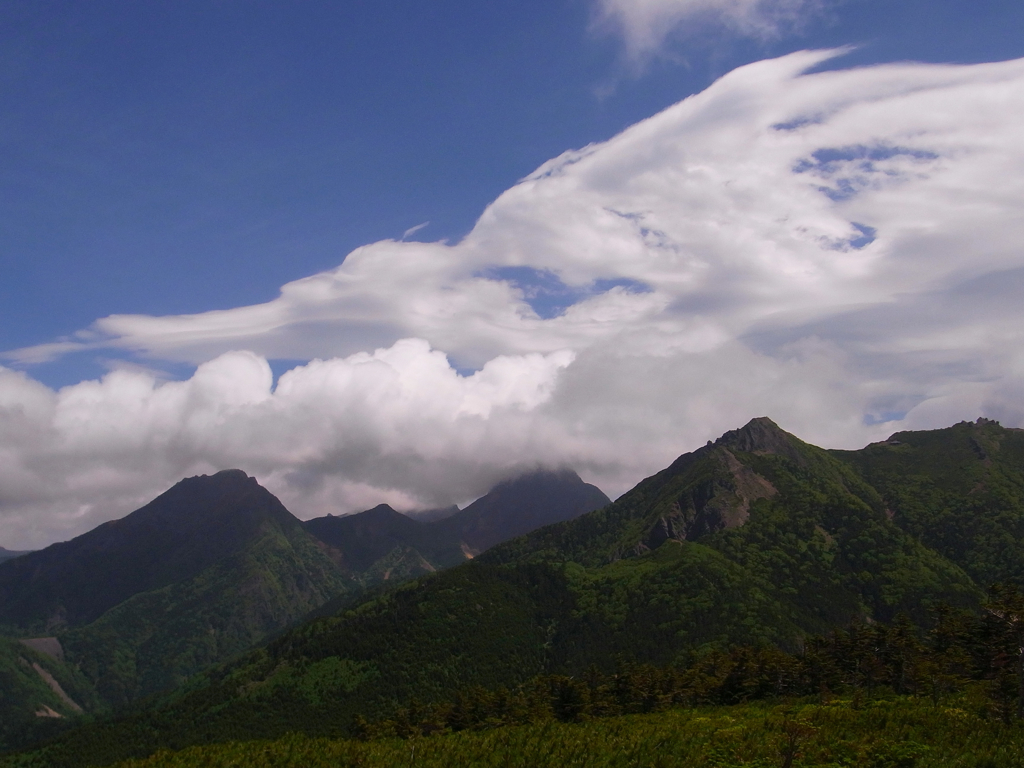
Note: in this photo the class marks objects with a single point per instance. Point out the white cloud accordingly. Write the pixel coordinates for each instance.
(413, 230)
(398, 424)
(645, 25)
(831, 250)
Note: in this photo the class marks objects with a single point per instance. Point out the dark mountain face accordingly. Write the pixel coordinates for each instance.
(176, 536)
(364, 538)
(524, 504)
(216, 564)
(382, 544)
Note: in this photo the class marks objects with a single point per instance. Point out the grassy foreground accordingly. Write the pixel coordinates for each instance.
(898, 733)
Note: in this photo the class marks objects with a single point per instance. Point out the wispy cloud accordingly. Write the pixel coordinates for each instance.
(413, 230)
(839, 250)
(646, 25)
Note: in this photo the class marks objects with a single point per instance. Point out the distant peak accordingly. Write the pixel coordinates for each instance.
(381, 510)
(542, 475)
(226, 477)
(433, 515)
(527, 501)
(229, 475)
(756, 435)
(213, 492)
(760, 435)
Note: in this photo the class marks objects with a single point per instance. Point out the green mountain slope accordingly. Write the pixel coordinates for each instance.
(154, 640)
(795, 518)
(37, 691)
(177, 536)
(709, 490)
(203, 572)
(958, 490)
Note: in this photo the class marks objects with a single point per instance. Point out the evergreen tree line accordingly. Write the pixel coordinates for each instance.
(961, 650)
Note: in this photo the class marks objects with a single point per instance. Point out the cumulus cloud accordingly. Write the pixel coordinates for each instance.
(332, 435)
(645, 25)
(839, 251)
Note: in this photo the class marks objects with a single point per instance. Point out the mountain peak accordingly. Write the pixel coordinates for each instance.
(531, 479)
(196, 523)
(761, 435)
(225, 499)
(224, 480)
(382, 511)
(523, 503)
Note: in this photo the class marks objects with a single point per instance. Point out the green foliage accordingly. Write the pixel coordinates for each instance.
(24, 693)
(155, 640)
(317, 682)
(304, 685)
(480, 625)
(659, 607)
(886, 734)
(825, 541)
(960, 491)
(802, 525)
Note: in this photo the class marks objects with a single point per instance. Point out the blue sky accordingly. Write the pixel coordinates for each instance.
(167, 158)
(398, 251)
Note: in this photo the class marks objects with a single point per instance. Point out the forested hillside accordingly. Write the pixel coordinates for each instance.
(36, 691)
(960, 491)
(805, 527)
(200, 574)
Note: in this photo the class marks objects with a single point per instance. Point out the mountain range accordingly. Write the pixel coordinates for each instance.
(382, 543)
(757, 538)
(215, 565)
